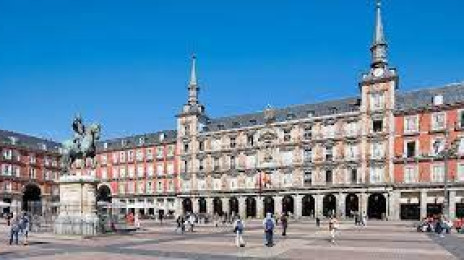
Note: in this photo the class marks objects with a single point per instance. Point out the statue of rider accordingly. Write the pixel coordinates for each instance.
(79, 130)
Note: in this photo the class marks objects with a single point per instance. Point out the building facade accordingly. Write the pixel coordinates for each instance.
(379, 153)
(386, 153)
(29, 168)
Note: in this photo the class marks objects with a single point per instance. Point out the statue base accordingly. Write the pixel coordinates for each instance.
(78, 211)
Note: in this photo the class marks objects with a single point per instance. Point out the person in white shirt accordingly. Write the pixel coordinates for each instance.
(238, 229)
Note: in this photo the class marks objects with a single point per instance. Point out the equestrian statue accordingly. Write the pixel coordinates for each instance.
(82, 146)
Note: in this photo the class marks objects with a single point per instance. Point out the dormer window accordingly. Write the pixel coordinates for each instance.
(43, 146)
(437, 100)
(333, 110)
(310, 113)
(123, 143)
(141, 140)
(162, 136)
(105, 145)
(236, 124)
(221, 127)
(13, 140)
(253, 122)
(290, 116)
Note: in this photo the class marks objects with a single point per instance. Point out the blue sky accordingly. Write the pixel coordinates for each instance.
(126, 63)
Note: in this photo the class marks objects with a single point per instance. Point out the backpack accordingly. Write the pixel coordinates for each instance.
(269, 225)
(239, 226)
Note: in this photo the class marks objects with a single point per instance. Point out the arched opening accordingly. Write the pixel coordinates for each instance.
(329, 207)
(217, 206)
(268, 205)
(233, 206)
(202, 205)
(288, 204)
(250, 207)
(32, 199)
(351, 205)
(104, 193)
(376, 206)
(308, 206)
(187, 205)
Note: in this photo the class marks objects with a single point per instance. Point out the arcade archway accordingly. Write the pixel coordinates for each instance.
(201, 205)
(187, 205)
(233, 206)
(217, 206)
(308, 204)
(329, 205)
(351, 205)
(250, 207)
(376, 206)
(104, 193)
(32, 199)
(268, 205)
(288, 204)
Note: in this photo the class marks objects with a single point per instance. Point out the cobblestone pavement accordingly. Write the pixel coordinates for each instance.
(380, 240)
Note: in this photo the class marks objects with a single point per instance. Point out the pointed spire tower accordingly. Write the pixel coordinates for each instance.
(379, 45)
(193, 85)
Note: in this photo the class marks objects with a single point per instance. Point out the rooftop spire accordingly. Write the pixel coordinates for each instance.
(193, 86)
(379, 45)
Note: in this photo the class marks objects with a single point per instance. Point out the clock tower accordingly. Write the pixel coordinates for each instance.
(378, 88)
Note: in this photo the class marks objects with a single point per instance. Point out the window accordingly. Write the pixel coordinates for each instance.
(351, 151)
(377, 126)
(170, 168)
(328, 177)
(376, 101)
(130, 156)
(329, 131)
(104, 159)
(216, 144)
(202, 184)
(438, 173)
(159, 186)
(149, 152)
(201, 146)
(217, 184)
(376, 174)
(328, 153)
(377, 150)
(307, 154)
(170, 185)
(288, 180)
(32, 158)
(461, 172)
(307, 133)
(410, 149)
(351, 128)
(438, 145)
(410, 124)
(32, 173)
(251, 161)
(131, 171)
(287, 135)
(410, 175)
(122, 156)
(250, 140)
(461, 119)
(438, 120)
(232, 142)
(171, 149)
(308, 177)
(140, 171)
(354, 176)
(160, 151)
(159, 169)
(115, 158)
(233, 184)
(461, 145)
(185, 166)
(139, 155)
(200, 165)
(122, 172)
(104, 173)
(186, 129)
(287, 158)
(150, 170)
(216, 163)
(232, 162)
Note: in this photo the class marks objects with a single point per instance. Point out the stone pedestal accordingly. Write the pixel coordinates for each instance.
(78, 213)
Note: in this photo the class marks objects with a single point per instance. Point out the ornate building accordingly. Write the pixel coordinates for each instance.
(334, 157)
(28, 170)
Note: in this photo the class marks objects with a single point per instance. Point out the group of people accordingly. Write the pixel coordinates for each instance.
(438, 224)
(19, 226)
(189, 220)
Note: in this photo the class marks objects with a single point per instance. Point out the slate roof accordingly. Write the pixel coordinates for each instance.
(134, 140)
(28, 141)
(422, 98)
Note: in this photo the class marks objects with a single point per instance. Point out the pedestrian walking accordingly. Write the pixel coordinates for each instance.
(364, 219)
(284, 221)
(269, 224)
(137, 221)
(180, 224)
(24, 227)
(333, 226)
(318, 221)
(14, 230)
(238, 230)
(191, 221)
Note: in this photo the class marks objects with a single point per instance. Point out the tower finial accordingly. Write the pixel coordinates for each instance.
(379, 45)
(193, 85)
